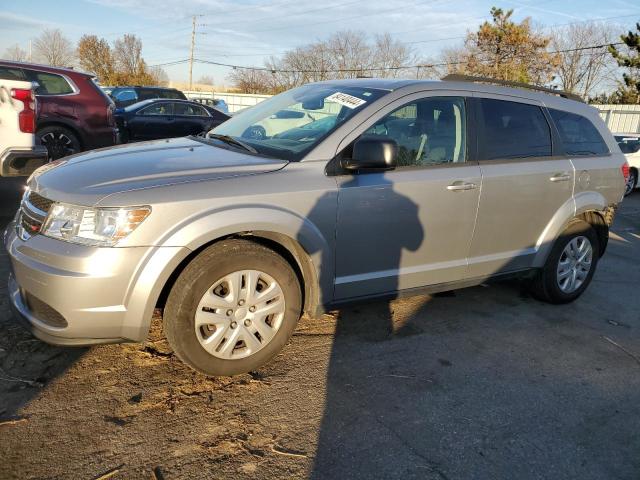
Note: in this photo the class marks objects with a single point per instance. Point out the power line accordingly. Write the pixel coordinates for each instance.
(378, 69)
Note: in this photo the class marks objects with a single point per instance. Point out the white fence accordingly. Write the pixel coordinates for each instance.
(235, 101)
(621, 118)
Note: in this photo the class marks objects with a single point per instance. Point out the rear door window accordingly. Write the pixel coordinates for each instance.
(12, 73)
(50, 83)
(512, 130)
(578, 134)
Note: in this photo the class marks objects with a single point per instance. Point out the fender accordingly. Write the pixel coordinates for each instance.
(195, 233)
(578, 204)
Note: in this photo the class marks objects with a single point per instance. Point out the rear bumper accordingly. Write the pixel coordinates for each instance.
(22, 161)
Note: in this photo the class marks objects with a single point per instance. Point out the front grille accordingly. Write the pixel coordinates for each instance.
(33, 211)
(44, 312)
(39, 202)
(30, 225)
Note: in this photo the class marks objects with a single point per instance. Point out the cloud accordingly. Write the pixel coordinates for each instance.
(13, 21)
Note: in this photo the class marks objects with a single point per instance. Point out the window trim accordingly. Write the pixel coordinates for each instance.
(334, 167)
(71, 83)
(479, 129)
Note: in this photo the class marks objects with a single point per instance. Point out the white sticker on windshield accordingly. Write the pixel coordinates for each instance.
(345, 99)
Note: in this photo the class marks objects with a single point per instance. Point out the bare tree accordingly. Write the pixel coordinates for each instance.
(346, 54)
(127, 52)
(52, 48)
(582, 70)
(205, 80)
(159, 76)
(251, 81)
(16, 53)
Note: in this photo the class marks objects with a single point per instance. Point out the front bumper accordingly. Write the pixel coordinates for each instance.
(71, 294)
(22, 161)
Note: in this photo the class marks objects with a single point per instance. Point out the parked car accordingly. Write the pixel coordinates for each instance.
(19, 154)
(629, 144)
(125, 96)
(217, 103)
(152, 119)
(281, 121)
(418, 186)
(74, 114)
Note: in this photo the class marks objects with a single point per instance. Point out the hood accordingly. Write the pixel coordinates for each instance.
(87, 178)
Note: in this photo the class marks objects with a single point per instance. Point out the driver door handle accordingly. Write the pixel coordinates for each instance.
(460, 185)
(560, 177)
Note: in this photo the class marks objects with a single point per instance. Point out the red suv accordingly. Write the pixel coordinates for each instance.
(74, 114)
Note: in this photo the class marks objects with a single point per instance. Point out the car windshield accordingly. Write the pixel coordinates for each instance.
(289, 125)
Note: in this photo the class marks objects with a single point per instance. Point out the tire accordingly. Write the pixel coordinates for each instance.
(550, 283)
(255, 132)
(632, 182)
(60, 141)
(207, 283)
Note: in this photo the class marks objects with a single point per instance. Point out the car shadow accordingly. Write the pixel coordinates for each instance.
(466, 384)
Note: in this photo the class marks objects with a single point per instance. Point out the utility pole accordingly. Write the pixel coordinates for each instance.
(193, 44)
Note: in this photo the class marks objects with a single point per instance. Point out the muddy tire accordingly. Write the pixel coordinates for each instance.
(570, 267)
(233, 308)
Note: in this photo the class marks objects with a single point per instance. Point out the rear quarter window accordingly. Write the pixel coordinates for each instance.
(578, 134)
(50, 83)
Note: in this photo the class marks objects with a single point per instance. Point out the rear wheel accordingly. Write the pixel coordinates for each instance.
(570, 266)
(233, 308)
(632, 181)
(59, 141)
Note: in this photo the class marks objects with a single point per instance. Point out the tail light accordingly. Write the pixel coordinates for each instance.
(625, 170)
(27, 117)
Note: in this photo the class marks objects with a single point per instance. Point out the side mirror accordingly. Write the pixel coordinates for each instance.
(373, 153)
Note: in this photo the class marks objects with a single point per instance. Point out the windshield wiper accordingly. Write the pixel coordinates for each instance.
(232, 141)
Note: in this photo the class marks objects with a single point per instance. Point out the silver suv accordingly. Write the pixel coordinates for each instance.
(329, 193)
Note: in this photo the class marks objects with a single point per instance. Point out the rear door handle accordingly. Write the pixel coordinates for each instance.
(459, 185)
(560, 177)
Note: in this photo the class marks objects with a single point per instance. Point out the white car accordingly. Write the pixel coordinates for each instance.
(630, 145)
(19, 155)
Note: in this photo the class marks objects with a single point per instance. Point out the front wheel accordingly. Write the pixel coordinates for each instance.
(232, 308)
(570, 266)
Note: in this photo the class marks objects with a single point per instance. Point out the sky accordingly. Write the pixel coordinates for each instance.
(245, 32)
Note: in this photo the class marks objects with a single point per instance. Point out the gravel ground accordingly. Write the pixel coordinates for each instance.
(478, 383)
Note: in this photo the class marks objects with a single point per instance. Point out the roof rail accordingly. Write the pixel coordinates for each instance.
(454, 77)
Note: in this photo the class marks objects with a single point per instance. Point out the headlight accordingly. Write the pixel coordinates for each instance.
(102, 227)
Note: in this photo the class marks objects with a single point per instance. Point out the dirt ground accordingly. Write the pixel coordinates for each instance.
(479, 383)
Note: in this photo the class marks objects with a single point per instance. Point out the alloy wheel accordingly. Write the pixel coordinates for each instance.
(58, 144)
(574, 264)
